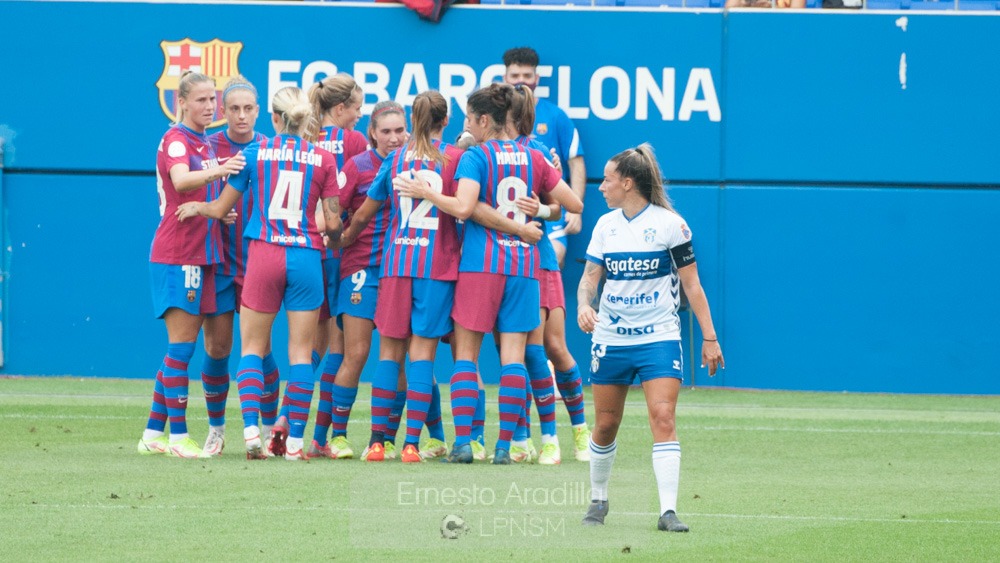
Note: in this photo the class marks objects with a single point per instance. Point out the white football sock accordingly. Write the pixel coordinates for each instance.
(601, 460)
(667, 468)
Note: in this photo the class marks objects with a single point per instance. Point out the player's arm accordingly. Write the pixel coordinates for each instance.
(578, 181)
(461, 205)
(215, 209)
(567, 198)
(332, 226)
(487, 216)
(711, 351)
(534, 207)
(586, 296)
(186, 180)
(360, 220)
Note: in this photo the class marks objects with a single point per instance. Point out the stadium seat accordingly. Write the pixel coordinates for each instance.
(932, 5)
(554, 2)
(979, 5)
(653, 3)
(887, 4)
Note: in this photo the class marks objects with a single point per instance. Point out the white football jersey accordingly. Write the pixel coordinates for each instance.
(642, 292)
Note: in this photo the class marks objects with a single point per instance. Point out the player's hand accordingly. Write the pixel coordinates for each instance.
(235, 163)
(711, 354)
(347, 238)
(230, 217)
(411, 187)
(574, 223)
(531, 232)
(556, 163)
(188, 210)
(586, 317)
(528, 205)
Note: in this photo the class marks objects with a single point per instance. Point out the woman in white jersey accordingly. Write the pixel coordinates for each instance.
(644, 248)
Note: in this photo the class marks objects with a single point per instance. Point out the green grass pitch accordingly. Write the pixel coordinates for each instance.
(765, 476)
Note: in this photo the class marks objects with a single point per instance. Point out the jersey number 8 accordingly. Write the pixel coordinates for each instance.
(508, 190)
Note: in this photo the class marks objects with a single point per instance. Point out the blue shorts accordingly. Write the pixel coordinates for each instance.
(331, 279)
(225, 295)
(282, 274)
(618, 365)
(357, 294)
(189, 288)
(414, 306)
(556, 230)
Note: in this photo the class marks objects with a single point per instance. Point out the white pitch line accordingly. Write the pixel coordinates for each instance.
(492, 424)
(628, 404)
(130, 504)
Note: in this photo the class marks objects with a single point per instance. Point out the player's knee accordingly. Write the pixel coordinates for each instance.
(218, 349)
(661, 421)
(606, 426)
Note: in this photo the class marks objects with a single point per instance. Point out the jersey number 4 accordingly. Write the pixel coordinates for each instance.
(286, 202)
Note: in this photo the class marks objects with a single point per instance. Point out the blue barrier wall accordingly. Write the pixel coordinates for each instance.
(842, 222)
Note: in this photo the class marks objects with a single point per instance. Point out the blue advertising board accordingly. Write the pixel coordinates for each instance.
(841, 187)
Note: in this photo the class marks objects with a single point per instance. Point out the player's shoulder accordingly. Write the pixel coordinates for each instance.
(664, 215)
(608, 219)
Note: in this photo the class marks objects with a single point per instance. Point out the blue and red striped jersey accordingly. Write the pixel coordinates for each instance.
(546, 253)
(421, 241)
(366, 251)
(288, 176)
(344, 144)
(196, 241)
(504, 171)
(233, 243)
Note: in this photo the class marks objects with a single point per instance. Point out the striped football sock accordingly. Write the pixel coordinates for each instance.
(250, 383)
(464, 393)
(157, 421)
(541, 387)
(343, 402)
(175, 387)
(571, 388)
(479, 419)
(395, 416)
(215, 381)
(299, 392)
(272, 385)
(419, 394)
(434, 425)
(513, 385)
(325, 407)
(383, 396)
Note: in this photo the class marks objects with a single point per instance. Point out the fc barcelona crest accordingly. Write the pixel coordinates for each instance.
(216, 59)
(355, 297)
(649, 235)
(191, 295)
(542, 128)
